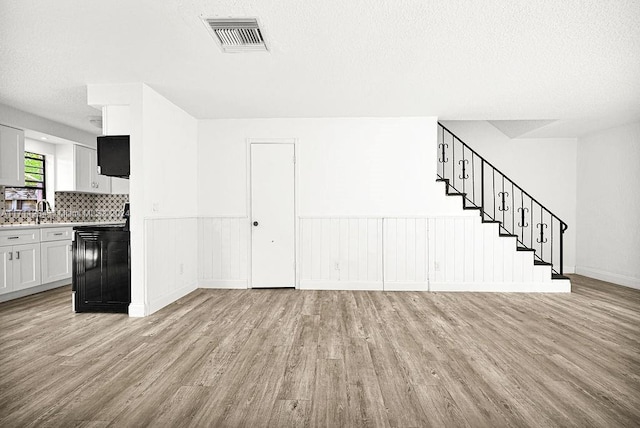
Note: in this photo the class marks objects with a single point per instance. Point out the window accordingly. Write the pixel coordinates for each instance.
(26, 198)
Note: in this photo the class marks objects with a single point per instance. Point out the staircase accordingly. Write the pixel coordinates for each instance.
(499, 200)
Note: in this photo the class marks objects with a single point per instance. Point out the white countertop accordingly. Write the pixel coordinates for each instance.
(43, 225)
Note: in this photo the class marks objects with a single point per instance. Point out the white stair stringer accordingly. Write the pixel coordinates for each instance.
(466, 254)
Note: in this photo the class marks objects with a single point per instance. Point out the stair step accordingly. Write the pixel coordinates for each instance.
(444, 180)
(472, 208)
(508, 235)
(525, 249)
(541, 263)
(558, 276)
(490, 221)
(457, 194)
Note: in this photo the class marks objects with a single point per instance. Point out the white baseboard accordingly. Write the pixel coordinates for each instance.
(556, 286)
(223, 283)
(569, 269)
(310, 284)
(406, 286)
(33, 290)
(136, 311)
(163, 301)
(616, 278)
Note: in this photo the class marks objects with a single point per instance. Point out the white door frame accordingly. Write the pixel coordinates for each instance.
(296, 154)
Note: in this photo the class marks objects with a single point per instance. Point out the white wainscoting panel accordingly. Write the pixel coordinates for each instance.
(172, 260)
(406, 254)
(448, 253)
(340, 253)
(468, 255)
(223, 252)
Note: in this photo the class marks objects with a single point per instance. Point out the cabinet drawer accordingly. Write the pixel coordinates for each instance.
(18, 237)
(56, 234)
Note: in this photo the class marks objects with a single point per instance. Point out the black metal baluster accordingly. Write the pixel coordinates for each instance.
(473, 180)
(522, 216)
(513, 209)
(563, 227)
(493, 172)
(443, 157)
(453, 165)
(482, 186)
(463, 178)
(532, 222)
(541, 224)
(551, 242)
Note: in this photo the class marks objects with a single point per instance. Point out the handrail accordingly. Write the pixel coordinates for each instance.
(503, 174)
(463, 172)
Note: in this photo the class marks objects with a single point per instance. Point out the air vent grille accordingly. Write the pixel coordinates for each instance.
(237, 35)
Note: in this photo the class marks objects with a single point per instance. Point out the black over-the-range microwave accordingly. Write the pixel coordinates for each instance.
(113, 155)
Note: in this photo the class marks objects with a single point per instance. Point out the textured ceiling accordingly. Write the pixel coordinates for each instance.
(576, 61)
(517, 128)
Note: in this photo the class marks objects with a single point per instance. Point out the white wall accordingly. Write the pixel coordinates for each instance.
(347, 166)
(609, 205)
(543, 167)
(23, 120)
(163, 194)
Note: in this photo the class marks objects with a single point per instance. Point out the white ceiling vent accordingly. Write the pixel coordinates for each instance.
(237, 34)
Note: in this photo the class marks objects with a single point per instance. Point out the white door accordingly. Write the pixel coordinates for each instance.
(11, 156)
(101, 183)
(84, 174)
(26, 266)
(272, 215)
(56, 260)
(6, 269)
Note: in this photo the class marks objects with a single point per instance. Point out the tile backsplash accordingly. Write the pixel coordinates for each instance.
(70, 207)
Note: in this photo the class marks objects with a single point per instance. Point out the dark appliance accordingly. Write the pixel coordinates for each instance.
(126, 215)
(113, 156)
(101, 269)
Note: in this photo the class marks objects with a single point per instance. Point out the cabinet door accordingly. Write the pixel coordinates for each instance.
(11, 156)
(119, 186)
(56, 260)
(26, 266)
(101, 183)
(6, 270)
(84, 167)
(116, 270)
(88, 273)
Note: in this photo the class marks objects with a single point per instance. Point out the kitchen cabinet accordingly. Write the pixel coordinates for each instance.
(56, 259)
(77, 170)
(101, 269)
(19, 259)
(19, 267)
(119, 186)
(11, 156)
(56, 254)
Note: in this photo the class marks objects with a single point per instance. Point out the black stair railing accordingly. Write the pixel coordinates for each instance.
(499, 199)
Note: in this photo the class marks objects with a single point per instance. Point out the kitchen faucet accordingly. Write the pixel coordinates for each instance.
(42, 206)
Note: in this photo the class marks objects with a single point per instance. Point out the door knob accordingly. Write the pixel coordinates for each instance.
(255, 223)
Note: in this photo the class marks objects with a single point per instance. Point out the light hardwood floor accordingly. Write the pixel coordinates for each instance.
(327, 358)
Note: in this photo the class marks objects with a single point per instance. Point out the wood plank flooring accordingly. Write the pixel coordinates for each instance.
(327, 359)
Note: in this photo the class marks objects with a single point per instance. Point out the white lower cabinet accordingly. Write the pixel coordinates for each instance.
(32, 257)
(20, 267)
(56, 260)
(6, 270)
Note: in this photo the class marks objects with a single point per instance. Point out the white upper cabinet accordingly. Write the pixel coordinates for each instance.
(11, 156)
(119, 186)
(77, 170)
